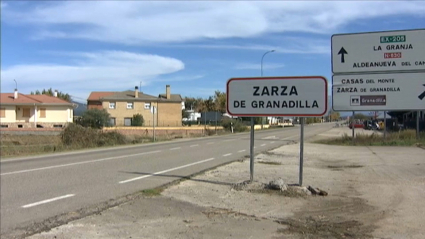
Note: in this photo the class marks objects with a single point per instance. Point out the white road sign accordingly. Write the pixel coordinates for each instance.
(395, 91)
(378, 51)
(277, 96)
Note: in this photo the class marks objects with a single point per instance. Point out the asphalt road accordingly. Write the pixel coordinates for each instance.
(37, 188)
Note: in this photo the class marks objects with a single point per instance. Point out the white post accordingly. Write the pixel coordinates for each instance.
(35, 116)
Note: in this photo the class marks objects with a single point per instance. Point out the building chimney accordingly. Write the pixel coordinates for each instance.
(15, 96)
(56, 93)
(167, 92)
(136, 92)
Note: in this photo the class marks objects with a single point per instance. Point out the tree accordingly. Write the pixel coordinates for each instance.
(137, 120)
(220, 101)
(334, 116)
(185, 114)
(95, 118)
(360, 116)
(374, 114)
(190, 103)
(50, 92)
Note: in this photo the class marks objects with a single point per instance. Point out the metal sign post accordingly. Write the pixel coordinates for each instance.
(302, 150)
(298, 96)
(352, 126)
(385, 124)
(417, 124)
(153, 109)
(251, 152)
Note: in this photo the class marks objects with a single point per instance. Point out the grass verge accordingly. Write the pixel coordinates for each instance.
(152, 192)
(402, 138)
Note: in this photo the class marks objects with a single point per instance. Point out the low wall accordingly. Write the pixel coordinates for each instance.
(164, 131)
(29, 131)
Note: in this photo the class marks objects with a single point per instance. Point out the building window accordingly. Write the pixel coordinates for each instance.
(42, 112)
(130, 105)
(26, 112)
(111, 105)
(127, 121)
(3, 113)
(112, 122)
(147, 106)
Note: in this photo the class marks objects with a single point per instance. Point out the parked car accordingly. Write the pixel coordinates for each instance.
(356, 125)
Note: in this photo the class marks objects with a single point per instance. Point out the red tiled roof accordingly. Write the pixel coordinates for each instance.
(96, 95)
(8, 98)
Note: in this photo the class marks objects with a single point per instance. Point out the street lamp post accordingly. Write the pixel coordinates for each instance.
(262, 58)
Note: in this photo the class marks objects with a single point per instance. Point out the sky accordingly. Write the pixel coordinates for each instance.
(194, 46)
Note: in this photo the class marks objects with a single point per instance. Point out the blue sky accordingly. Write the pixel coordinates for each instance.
(194, 46)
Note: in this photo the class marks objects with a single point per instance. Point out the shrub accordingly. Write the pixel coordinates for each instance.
(137, 120)
(402, 138)
(77, 136)
(238, 126)
(94, 118)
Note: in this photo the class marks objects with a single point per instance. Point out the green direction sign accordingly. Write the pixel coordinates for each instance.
(392, 39)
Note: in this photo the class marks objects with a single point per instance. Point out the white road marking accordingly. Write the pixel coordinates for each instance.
(225, 155)
(72, 164)
(240, 151)
(48, 200)
(263, 145)
(166, 171)
(270, 137)
(210, 142)
(272, 142)
(175, 148)
(194, 145)
(228, 140)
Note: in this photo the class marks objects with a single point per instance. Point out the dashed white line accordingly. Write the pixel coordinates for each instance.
(72, 164)
(240, 151)
(263, 145)
(48, 200)
(225, 155)
(228, 140)
(175, 148)
(272, 142)
(210, 142)
(166, 171)
(195, 145)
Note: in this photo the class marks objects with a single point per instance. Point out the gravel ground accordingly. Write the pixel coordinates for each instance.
(372, 192)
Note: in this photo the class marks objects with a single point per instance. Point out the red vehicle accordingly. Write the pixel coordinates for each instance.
(356, 125)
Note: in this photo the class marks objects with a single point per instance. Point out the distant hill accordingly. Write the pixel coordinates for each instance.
(79, 110)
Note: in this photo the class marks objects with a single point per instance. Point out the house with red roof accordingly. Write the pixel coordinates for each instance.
(34, 111)
(122, 105)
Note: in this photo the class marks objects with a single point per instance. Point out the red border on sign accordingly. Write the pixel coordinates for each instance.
(278, 78)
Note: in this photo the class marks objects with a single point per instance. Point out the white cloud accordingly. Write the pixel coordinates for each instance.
(312, 47)
(254, 66)
(142, 22)
(99, 71)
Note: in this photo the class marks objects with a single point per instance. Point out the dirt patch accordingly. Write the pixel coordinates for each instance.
(270, 162)
(322, 228)
(290, 192)
(344, 166)
(335, 218)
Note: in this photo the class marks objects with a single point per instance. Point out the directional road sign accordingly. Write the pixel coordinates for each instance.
(277, 96)
(386, 91)
(378, 51)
